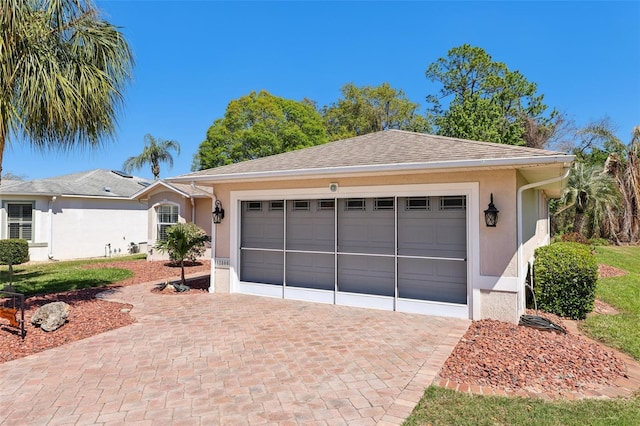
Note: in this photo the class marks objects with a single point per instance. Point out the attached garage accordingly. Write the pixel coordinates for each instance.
(390, 220)
(387, 248)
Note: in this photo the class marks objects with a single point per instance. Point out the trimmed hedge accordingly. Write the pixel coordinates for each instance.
(565, 276)
(16, 251)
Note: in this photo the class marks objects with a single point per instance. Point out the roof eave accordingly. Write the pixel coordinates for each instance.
(563, 159)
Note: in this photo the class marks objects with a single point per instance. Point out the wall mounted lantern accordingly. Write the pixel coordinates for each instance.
(218, 213)
(491, 214)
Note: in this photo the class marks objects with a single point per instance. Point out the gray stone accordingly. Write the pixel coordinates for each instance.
(51, 316)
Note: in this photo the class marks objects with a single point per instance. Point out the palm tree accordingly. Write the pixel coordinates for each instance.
(63, 70)
(185, 241)
(591, 192)
(154, 152)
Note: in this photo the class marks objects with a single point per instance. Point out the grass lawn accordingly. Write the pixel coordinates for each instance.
(55, 277)
(620, 331)
(445, 407)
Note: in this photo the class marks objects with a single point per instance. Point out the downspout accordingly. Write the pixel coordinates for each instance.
(53, 200)
(520, 260)
(193, 210)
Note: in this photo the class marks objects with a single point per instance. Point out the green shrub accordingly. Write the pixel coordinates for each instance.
(599, 242)
(565, 276)
(574, 237)
(14, 251)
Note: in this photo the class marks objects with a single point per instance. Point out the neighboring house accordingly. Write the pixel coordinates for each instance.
(80, 215)
(170, 203)
(390, 220)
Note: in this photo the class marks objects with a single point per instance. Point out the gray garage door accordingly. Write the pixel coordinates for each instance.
(397, 247)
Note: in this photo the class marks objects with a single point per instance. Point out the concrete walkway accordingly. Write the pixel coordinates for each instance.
(229, 359)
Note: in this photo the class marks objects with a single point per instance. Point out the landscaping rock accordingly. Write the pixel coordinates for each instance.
(51, 316)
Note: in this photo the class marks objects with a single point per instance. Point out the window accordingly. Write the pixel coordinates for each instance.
(253, 206)
(383, 204)
(355, 204)
(276, 205)
(20, 220)
(453, 203)
(326, 204)
(301, 205)
(167, 216)
(417, 203)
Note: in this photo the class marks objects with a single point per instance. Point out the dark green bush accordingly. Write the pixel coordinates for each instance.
(565, 276)
(16, 251)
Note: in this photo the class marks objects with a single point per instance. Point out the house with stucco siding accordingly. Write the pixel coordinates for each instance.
(391, 220)
(74, 216)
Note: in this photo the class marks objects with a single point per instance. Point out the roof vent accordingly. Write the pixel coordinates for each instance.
(122, 174)
(142, 183)
(107, 189)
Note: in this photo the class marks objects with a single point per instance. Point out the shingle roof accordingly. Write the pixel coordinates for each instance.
(389, 147)
(92, 183)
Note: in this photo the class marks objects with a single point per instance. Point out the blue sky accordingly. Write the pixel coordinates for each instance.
(193, 57)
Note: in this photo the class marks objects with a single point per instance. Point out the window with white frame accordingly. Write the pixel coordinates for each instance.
(167, 216)
(20, 220)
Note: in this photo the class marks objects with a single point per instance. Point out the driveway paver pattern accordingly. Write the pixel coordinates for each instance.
(232, 359)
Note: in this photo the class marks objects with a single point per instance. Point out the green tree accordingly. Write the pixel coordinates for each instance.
(589, 192)
(185, 241)
(258, 125)
(486, 101)
(62, 74)
(596, 141)
(368, 109)
(155, 151)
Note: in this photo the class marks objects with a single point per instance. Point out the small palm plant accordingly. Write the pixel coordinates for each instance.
(185, 241)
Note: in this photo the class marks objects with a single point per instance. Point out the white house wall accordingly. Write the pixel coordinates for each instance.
(92, 228)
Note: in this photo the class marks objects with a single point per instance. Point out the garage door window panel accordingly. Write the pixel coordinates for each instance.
(310, 229)
(365, 231)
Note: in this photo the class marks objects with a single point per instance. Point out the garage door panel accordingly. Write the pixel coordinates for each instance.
(435, 280)
(263, 228)
(365, 231)
(366, 274)
(262, 267)
(309, 230)
(311, 270)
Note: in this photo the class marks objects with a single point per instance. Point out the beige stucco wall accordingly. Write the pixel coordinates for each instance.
(498, 305)
(201, 211)
(497, 245)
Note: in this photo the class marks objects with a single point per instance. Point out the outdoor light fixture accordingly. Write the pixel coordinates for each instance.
(491, 214)
(218, 213)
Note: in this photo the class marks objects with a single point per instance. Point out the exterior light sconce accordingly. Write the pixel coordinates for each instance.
(491, 214)
(218, 213)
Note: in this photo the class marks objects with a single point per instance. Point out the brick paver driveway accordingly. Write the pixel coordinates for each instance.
(233, 359)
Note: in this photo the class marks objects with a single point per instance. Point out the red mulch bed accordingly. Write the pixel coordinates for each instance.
(88, 316)
(491, 353)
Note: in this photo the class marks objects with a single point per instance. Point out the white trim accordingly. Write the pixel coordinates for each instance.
(309, 295)
(425, 307)
(258, 289)
(486, 282)
(470, 189)
(358, 300)
(339, 171)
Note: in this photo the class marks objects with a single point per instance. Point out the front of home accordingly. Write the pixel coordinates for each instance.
(80, 215)
(391, 220)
